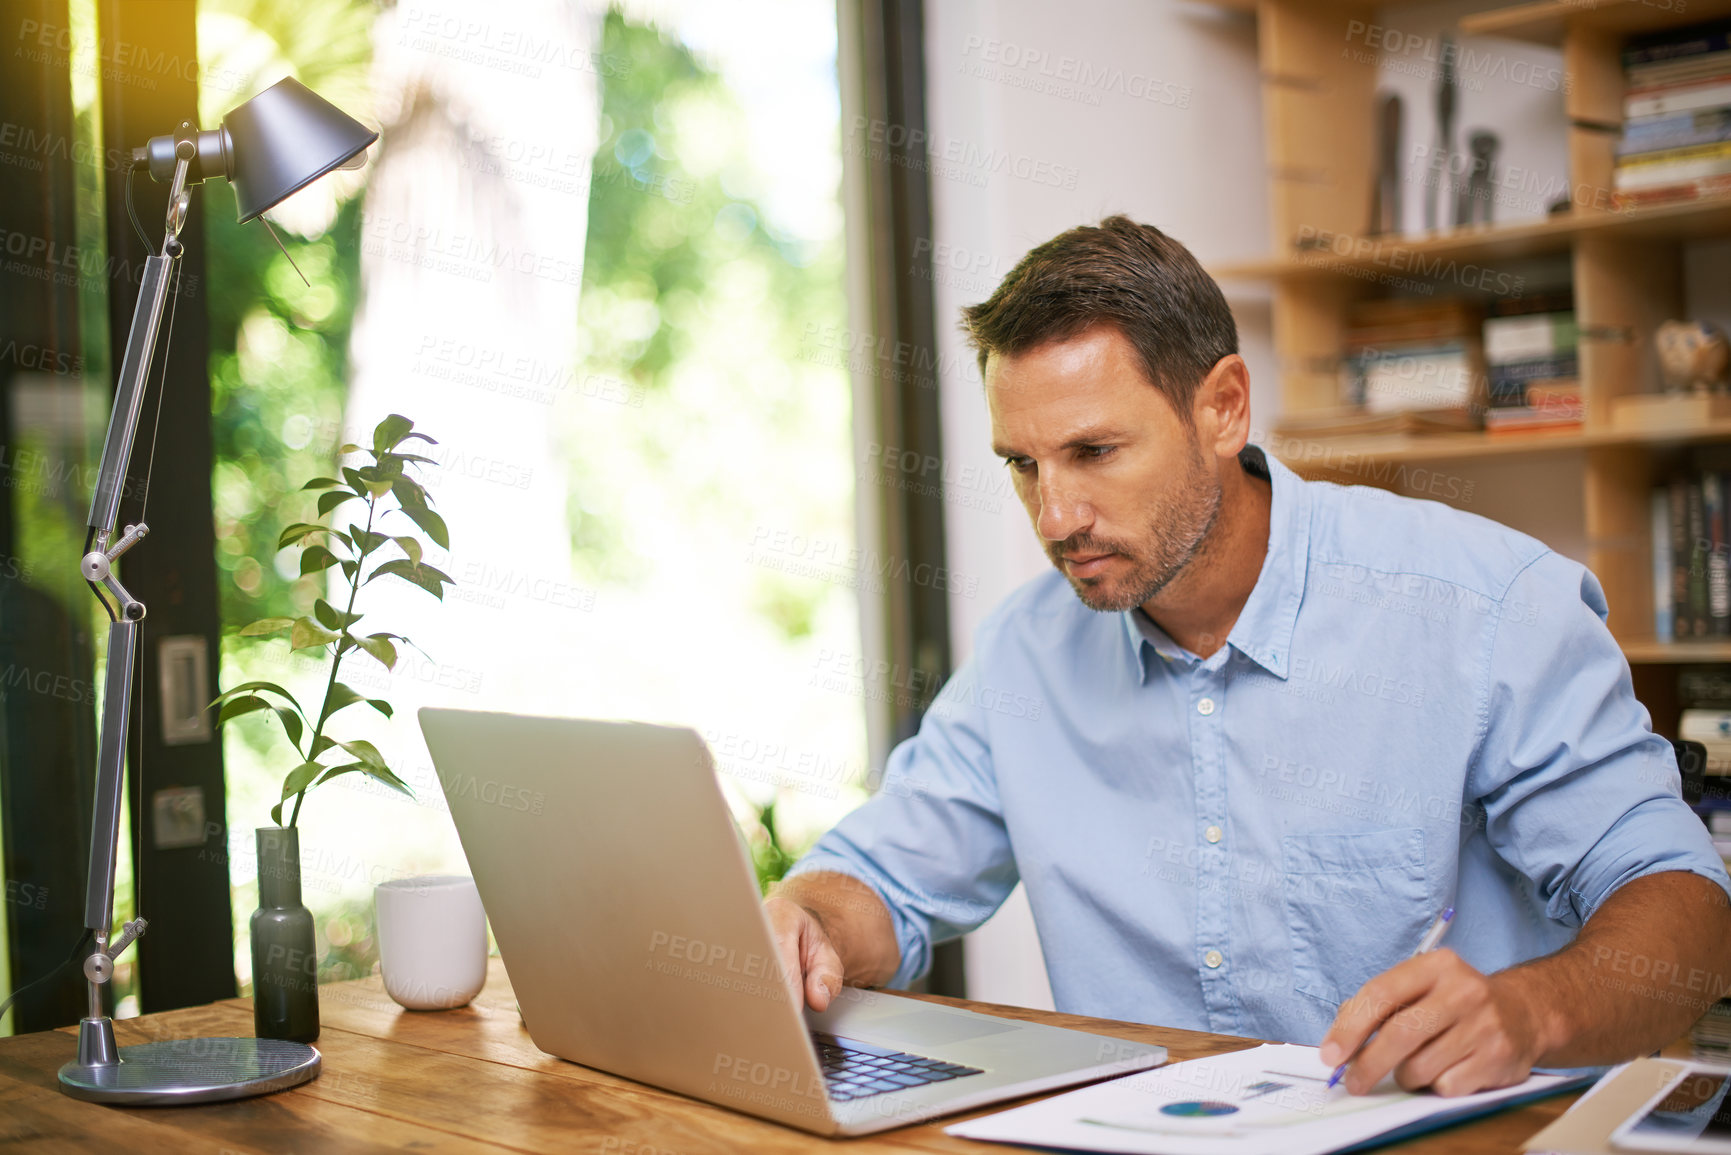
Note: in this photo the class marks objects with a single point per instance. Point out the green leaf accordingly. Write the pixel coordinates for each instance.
(338, 697)
(389, 433)
(302, 529)
(379, 646)
(235, 707)
(367, 541)
(431, 524)
(308, 633)
(267, 687)
(300, 778)
(349, 447)
(365, 751)
(410, 493)
(331, 617)
(383, 774)
(320, 744)
(420, 437)
(265, 627)
(276, 814)
(329, 501)
(321, 483)
(350, 569)
(316, 558)
(422, 575)
(295, 532)
(381, 706)
(411, 546)
(416, 457)
(339, 771)
(291, 725)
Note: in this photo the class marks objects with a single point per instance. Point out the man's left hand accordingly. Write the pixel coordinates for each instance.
(1439, 1024)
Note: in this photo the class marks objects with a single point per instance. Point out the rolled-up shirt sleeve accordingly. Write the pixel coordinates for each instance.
(1578, 793)
(932, 841)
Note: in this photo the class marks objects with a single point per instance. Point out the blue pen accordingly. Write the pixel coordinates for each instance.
(1428, 943)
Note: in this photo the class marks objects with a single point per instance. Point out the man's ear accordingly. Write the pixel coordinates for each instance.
(1221, 407)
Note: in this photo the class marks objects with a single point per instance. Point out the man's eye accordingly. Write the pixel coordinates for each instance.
(1019, 464)
(1096, 451)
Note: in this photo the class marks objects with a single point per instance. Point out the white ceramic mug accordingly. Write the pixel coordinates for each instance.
(432, 940)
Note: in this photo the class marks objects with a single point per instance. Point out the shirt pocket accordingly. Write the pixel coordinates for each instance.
(1356, 904)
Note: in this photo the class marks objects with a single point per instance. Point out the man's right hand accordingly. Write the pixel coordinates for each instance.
(809, 963)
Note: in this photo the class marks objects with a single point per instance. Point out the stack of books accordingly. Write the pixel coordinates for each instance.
(1530, 349)
(1691, 577)
(1415, 356)
(1710, 1037)
(1676, 142)
(1712, 728)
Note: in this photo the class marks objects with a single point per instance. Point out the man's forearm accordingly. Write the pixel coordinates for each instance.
(1650, 961)
(854, 919)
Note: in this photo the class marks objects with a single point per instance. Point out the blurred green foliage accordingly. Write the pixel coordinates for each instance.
(675, 239)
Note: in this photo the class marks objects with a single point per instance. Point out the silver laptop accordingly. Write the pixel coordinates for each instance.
(627, 913)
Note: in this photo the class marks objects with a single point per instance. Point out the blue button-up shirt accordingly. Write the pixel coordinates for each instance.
(1416, 708)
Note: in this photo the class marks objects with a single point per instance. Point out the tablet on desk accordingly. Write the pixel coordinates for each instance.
(1691, 1113)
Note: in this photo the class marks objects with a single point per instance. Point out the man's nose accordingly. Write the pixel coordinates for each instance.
(1063, 511)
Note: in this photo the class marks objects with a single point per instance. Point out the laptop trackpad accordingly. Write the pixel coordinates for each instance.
(930, 1029)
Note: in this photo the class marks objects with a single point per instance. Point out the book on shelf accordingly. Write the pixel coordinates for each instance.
(1669, 99)
(1513, 384)
(1529, 337)
(1418, 377)
(1718, 595)
(1712, 186)
(1659, 520)
(1691, 536)
(1684, 130)
(1672, 44)
(1403, 354)
(1671, 166)
(1711, 728)
(1676, 139)
(1683, 70)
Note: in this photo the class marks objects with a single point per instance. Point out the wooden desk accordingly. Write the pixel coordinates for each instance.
(470, 1080)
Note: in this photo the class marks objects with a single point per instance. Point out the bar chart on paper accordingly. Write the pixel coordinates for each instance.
(1269, 1100)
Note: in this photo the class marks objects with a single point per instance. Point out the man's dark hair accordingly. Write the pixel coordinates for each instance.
(1130, 276)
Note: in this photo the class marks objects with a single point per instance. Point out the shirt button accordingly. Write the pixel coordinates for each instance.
(1205, 706)
(1213, 958)
(1213, 834)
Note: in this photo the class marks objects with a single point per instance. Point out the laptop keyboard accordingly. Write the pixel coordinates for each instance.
(856, 1070)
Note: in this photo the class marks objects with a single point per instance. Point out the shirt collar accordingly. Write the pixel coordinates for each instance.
(1264, 629)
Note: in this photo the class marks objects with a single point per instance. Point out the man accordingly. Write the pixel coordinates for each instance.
(1256, 733)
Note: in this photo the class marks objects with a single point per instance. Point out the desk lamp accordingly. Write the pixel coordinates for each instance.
(279, 141)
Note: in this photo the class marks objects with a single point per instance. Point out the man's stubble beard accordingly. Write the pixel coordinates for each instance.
(1188, 517)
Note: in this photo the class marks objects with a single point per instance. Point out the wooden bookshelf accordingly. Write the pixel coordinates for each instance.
(1646, 651)
(1349, 256)
(1550, 21)
(1626, 269)
(1323, 455)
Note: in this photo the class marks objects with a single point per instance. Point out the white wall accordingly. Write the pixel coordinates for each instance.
(1045, 116)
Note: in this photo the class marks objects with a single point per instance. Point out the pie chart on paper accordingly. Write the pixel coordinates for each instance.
(1198, 1108)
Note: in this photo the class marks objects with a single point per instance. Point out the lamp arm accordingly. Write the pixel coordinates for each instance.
(98, 566)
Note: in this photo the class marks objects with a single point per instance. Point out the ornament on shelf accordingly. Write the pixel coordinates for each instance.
(1693, 356)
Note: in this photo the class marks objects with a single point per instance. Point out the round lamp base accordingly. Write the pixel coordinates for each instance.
(181, 1071)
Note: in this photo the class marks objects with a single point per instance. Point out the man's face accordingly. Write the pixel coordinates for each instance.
(1121, 495)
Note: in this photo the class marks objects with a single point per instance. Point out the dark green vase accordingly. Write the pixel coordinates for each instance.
(285, 964)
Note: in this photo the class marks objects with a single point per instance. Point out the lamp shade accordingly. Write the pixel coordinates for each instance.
(284, 138)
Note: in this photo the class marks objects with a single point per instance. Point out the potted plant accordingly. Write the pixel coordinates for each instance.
(284, 954)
